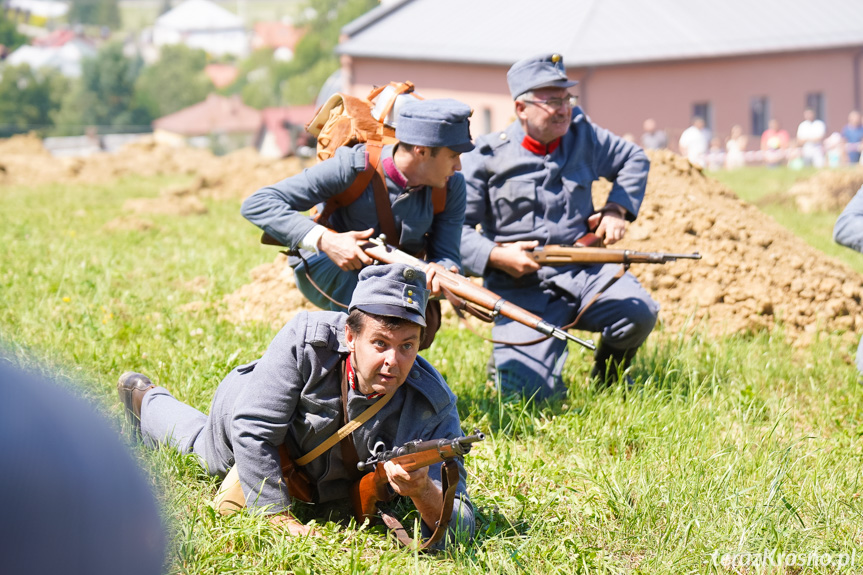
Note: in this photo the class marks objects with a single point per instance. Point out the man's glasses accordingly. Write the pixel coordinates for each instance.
(556, 103)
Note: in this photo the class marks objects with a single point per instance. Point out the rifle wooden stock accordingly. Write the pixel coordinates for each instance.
(558, 255)
(374, 485)
(469, 291)
(378, 249)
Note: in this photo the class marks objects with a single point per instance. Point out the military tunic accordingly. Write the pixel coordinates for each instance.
(278, 210)
(848, 232)
(514, 194)
(292, 395)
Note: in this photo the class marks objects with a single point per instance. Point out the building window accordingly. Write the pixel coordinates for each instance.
(760, 113)
(815, 101)
(703, 110)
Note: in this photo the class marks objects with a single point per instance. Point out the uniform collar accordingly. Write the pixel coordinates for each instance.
(395, 175)
(352, 380)
(536, 147)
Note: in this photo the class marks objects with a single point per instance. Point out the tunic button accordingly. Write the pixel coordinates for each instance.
(415, 374)
(503, 135)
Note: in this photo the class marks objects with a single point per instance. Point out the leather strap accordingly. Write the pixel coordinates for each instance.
(357, 187)
(449, 483)
(350, 458)
(345, 431)
(382, 205)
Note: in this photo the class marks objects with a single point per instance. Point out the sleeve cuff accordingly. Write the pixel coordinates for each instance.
(311, 239)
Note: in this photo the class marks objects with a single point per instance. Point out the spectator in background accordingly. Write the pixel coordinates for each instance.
(774, 144)
(735, 148)
(74, 500)
(695, 141)
(716, 155)
(853, 135)
(834, 150)
(653, 138)
(810, 134)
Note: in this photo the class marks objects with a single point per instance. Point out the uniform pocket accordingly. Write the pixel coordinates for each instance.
(514, 205)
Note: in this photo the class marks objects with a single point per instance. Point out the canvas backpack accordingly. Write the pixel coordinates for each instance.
(346, 120)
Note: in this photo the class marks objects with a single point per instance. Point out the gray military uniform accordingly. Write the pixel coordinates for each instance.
(278, 210)
(848, 232)
(292, 395)
(515, 195)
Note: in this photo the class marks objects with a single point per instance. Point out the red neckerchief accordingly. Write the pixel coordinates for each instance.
(396, 176)
(538, 148)
(352, 380)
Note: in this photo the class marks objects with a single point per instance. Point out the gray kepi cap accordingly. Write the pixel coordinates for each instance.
(545, 71)
(443, 122)
(394, 290)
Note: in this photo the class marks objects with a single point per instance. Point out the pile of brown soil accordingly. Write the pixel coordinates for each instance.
(830, 190)
(754, 273)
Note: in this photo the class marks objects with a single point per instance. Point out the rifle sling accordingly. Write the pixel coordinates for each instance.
(345, 430)
(449, 483)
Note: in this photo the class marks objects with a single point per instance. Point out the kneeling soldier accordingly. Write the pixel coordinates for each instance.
(291, 400)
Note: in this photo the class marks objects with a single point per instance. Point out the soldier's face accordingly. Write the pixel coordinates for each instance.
(544, 122)
(382, 357)
(437, 169)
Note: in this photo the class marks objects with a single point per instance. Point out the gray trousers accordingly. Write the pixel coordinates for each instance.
(624, 315)
(168, 421)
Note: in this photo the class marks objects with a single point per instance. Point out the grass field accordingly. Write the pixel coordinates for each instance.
(731, 446)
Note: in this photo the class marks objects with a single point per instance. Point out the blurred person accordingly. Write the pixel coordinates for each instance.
(530, 185)
(321, 370)
(653, 138)
(834, 150)
(695, 142)
(432, 136)
(774, 144)
(848, 232)
(735, 148)
(75, 501)
(716, 155)
(810, 135)
(852, 133)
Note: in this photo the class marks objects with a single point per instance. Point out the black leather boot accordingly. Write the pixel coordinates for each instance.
(132, 388)
(609, 362)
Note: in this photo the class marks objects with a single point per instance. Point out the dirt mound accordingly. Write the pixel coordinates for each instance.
(271, 297)
(828, 190)
(753, 272)
(23, 145)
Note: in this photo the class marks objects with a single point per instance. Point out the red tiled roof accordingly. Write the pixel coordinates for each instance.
(215, 114)
(221, 75)
(276, 35)
(55, 39)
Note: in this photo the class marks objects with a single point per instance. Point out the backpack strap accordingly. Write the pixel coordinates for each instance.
(439, 199)
(357, 187)
(384, 208)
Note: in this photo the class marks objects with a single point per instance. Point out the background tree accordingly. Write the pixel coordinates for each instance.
(28, 98)
(265, 81)
(95, 13)
(105, 96)
(176, 81)
(9, 35)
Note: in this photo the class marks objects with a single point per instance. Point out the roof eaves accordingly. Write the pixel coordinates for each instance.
(372, 16)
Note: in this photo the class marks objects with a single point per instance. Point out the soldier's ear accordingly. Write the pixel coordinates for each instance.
(350, 338)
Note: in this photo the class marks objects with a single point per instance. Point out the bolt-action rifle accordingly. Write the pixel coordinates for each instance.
(558, 255)
(374, 487)
(477, 298)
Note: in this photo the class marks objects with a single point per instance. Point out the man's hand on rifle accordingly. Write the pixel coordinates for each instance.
(294, 527)
(609, 223)
(433, 282)
(343, 248)
(512, 258)
(426, 495)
